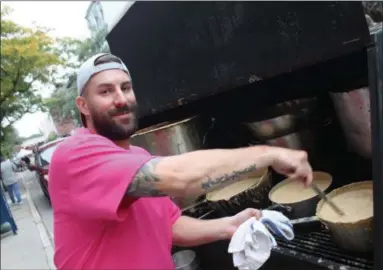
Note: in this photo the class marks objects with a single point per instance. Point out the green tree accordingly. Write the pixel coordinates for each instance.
(61, 104)
(10, 139)
(94, 45)
(29, 62)
(51, 137)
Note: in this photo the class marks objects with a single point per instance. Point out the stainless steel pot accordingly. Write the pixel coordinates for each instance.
(185, 260)
(301, 140)
(304, 208)
(353, 110)
(281, 119)
(274, 127)
(172, 138)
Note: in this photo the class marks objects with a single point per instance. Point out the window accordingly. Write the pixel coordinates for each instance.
(46, 155)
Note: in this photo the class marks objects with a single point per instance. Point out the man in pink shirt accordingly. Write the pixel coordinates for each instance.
(110, 199)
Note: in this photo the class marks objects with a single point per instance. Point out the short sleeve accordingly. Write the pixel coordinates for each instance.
(100, 173)
(174, 211)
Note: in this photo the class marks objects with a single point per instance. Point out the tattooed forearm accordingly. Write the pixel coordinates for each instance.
(144, 182)
(210, 183)
(178, 178)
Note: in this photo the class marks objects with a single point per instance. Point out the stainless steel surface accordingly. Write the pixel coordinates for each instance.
(274, 127)
(185, 260)
(323, 196)
(296, 105)
(281, 119)
(172, 138)
(303, 140)
(353, 110)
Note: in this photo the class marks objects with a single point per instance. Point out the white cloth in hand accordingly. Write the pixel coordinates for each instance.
(252, 242)
(278, 224)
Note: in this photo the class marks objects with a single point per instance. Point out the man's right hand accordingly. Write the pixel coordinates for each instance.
(292, 163)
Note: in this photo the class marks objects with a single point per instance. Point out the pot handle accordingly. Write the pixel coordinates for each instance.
(207, 213)
(304, 220)
(280, 208)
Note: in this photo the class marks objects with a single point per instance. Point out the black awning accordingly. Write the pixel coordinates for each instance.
(178, 52)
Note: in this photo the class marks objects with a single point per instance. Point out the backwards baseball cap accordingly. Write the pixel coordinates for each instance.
(89, 68)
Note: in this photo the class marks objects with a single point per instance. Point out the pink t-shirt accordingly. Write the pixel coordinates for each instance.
(95, 225)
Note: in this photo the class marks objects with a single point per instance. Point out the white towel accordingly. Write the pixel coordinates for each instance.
(252, 242)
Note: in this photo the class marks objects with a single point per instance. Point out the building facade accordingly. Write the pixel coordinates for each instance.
(97, 26)
(105, 14)
(95, 18)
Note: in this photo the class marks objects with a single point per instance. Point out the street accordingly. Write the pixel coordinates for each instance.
(29, 247)
(41, 203)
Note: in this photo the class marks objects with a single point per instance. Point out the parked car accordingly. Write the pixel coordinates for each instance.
(42, 155)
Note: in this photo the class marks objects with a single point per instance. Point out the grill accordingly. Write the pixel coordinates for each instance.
(316, 247)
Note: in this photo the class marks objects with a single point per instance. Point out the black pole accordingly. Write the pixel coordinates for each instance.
(375, 70)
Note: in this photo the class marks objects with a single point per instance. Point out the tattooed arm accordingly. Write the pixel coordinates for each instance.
(197, 172)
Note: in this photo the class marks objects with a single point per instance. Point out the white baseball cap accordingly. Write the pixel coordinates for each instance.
(88, 69)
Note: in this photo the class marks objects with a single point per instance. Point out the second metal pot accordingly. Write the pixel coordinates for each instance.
(281, 119)
(172, 138)
(301, 140)
(353, 111)
(304, 208)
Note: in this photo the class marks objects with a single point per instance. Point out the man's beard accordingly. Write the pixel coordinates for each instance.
(113, 130)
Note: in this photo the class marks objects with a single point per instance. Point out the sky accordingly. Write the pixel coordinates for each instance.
(66, 18)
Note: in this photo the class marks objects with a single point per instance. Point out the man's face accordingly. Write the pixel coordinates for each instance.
(110, 105)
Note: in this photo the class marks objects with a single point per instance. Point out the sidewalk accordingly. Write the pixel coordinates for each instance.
(31, 248)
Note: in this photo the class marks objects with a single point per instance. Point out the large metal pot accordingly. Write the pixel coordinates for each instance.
(353, 236)
(353, 111)
(172, 138)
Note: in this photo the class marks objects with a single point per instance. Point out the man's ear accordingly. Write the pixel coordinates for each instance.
(82, 105)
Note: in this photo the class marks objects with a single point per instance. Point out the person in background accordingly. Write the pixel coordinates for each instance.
(10, 179)
(29, 165)
(111, 200)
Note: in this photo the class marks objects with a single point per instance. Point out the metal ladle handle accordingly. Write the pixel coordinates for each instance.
(324, 197)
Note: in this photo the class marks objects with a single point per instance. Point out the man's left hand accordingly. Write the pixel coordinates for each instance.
(234, 222)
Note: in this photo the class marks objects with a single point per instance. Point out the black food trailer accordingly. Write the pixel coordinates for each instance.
(229, 62)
